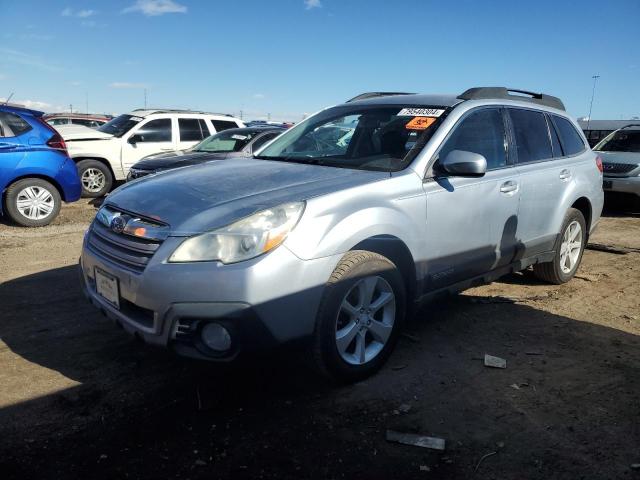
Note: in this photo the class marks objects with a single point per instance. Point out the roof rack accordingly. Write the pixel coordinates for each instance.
(364, 96)
(485, 93)
(178, 110)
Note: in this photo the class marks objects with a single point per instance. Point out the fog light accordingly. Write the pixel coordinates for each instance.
(216, 337)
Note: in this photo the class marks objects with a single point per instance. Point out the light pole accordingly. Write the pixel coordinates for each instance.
(593, 94)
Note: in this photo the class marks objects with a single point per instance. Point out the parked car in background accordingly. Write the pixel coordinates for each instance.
(86, 120)
(333, 244)
(232, 143)
(620, 152)
(268, 123)
(107, 153)
(36, 174)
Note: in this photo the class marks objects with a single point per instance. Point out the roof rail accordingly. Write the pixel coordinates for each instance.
(630, 125)
(503, 93)
(178, 110)
(364, 96)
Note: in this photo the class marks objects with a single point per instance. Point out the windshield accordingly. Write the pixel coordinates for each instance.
(120, 125)
(372, 137)
(621, 141)
(226, 141)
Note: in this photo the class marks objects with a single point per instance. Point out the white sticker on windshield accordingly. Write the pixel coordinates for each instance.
(420, 112)
(136, 119)
(239, 137)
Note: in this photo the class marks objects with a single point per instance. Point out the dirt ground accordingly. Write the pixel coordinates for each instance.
(81, 399)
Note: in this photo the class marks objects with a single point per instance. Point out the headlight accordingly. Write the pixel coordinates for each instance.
(244, 239)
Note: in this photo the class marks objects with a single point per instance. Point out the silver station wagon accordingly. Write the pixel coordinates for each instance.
(335, 230)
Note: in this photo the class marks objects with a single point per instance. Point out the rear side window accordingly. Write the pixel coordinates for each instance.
(156, 131)
(532, 135)
(191, 130)
(221, 125)
(481, 132)
(58, 121)
(571, 140)
(13, 125)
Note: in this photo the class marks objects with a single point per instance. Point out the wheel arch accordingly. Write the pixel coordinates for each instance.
(398, 252)
(52, 181)
(583, 205)
(102, 160)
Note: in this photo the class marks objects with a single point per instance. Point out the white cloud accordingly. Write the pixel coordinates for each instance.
(75, 83)
(70, 12)
(258, 96)
(152, 8)
(35, 104)
(309, 4)
(127, 85)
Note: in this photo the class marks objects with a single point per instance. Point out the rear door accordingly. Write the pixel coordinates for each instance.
(191, 131)
(148, 137)
(545, 175)
(472, 221)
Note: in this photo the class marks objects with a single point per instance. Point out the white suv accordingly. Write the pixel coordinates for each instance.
(107, 154)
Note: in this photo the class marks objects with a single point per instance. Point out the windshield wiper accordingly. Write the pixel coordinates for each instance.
(293, 159)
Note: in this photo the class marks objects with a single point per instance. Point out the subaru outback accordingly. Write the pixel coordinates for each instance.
(334, 239)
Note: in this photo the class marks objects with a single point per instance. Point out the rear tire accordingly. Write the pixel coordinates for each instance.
(32, 202)
(96, 178)
(568, 254)
(361, 313)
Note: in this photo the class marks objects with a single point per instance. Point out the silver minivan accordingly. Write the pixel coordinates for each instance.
(335, 230)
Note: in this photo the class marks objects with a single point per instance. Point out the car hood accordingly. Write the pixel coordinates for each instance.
(80, 132)
(176, 159)
(619, 157)
(204, 197)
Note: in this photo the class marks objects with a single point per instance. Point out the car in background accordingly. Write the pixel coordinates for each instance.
(620, 153)
(232, 143)
(86, 120)
(107, 153)
(36, 174)
(268, 123)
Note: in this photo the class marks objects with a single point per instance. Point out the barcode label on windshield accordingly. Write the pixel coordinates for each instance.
(420, 112)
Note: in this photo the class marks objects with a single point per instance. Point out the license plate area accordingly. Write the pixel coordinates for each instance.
(607, 184)
(107, 287)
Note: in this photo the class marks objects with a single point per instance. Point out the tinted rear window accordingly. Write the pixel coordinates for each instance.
(571, 140)
(12, 125)
(221, 125)
(532, 135)
(191, 130)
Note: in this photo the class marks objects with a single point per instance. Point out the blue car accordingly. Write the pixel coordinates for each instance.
(36, 173)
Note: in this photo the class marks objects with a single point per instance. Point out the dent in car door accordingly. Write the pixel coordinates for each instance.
(472, 222)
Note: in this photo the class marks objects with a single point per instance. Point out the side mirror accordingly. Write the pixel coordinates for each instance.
(464, 164)
(133, 139)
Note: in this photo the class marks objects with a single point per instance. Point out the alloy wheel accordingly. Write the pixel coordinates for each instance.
(570, 247)
(93, 180)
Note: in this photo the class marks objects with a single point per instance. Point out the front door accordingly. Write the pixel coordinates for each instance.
(472, 222)
(153, 136)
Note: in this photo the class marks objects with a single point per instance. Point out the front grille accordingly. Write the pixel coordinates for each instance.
(129, 252)
(618, 167)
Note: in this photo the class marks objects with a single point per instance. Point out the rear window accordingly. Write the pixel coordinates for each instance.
(621, 141)
(571, 140)
(532, 135)
(221, 125)
(12, 125)
(191, 130)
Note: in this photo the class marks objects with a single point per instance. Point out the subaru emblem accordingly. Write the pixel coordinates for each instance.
(118, 223)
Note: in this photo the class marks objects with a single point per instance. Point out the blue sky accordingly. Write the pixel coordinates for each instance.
(291, 57)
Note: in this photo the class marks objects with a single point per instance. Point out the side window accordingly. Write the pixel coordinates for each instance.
(156, 131)
(191, 130)
(481, 132)
(571, 140)
(555, 141)
(58, 121)
(262, 140)
(532, 135)
(82, 121)
(204, 128)
(13, 125)
(221, 125)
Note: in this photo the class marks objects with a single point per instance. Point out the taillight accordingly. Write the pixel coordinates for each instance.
(599, 164)
(57, 142)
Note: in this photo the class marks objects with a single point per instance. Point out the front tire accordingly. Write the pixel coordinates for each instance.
(32, 202)
(361, 312)
(96, 178)
(569, 249)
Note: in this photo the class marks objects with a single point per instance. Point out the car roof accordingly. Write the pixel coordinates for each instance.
(142, 112)
(18, 109)
(410, 99)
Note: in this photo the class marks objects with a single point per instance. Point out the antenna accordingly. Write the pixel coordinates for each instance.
(9, 98)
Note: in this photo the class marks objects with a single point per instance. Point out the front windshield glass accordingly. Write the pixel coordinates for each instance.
(226, 141)
(621, 141)
(372, 137)
(120, 125)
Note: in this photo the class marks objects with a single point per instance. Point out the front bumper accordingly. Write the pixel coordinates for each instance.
(262, 302)
(622, 184)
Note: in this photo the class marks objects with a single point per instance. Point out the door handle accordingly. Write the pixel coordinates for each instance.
(509, 187)
(565, 174)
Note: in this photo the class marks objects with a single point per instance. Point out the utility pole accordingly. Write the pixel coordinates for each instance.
(241, 115)
(593, 94)
(70, 108)
(268, 117)
(145, 98)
